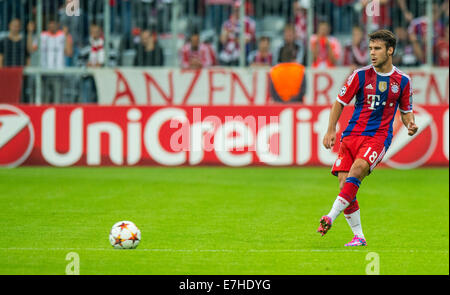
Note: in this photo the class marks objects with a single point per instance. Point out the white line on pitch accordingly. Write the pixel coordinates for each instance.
(229, 250)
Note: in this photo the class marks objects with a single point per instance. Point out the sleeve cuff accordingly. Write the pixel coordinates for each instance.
(404, 112)
(339, 100)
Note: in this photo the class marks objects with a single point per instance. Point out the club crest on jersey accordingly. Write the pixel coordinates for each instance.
(382, 86)
(395, 88)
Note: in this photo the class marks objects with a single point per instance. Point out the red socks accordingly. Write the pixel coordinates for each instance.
(352, 207)
(348, 192)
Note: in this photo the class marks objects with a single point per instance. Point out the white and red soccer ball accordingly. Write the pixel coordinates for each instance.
(124, 235)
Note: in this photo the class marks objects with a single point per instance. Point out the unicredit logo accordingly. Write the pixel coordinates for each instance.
(16, 136)
(101, 135)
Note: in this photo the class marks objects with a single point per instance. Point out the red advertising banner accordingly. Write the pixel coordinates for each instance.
(173, 136)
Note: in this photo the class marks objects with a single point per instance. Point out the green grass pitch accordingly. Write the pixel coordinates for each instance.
(219, 220)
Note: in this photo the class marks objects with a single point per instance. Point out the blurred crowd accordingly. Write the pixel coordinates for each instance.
(141, 33)
(79, 41)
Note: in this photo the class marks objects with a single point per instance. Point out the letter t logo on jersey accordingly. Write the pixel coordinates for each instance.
(373, 100)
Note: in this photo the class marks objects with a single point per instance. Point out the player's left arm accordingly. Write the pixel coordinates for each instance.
(408, 121)
(406, 109)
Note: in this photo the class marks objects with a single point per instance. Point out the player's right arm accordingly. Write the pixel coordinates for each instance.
(346, 95)
(330, 137)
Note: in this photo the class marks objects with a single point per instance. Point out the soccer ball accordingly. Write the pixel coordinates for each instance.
(124, 235)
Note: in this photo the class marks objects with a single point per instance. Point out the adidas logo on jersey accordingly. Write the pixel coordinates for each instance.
(369, 86)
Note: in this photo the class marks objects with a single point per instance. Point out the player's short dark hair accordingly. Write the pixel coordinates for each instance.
(385, 35)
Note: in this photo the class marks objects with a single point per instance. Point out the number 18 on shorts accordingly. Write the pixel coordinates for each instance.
(351, 148)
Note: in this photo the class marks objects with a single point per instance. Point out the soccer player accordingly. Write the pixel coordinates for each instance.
(380, 88)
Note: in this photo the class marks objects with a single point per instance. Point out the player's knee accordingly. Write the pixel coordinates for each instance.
(360, 169)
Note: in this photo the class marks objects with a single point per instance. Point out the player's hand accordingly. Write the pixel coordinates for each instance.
(412, 128)
(329, 139)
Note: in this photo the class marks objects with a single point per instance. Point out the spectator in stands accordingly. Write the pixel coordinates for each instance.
(212, 52)
(356, 54)
(96, 59)
(196, 55)
(216, 12)
(342, 13)
(417, 31)
(405, 11)
(262, 56)
(78, 26)
(326, 50)
(97, 52)
(404, 51)
(381, 21)
(406, 15)
(419, 48)
(229, 37)
(56, 44)
(148, 52)
(121, 12)
(13, 48)
(445, 8)
(441, 50)
(301, 20)
(290, 45)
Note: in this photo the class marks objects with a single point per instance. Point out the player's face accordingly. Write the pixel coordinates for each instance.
(379, 54)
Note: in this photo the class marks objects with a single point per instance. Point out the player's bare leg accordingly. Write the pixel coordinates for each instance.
(349, 184)
(342, 176)
(360, 169)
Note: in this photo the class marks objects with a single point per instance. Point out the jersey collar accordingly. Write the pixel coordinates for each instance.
(385, 74)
